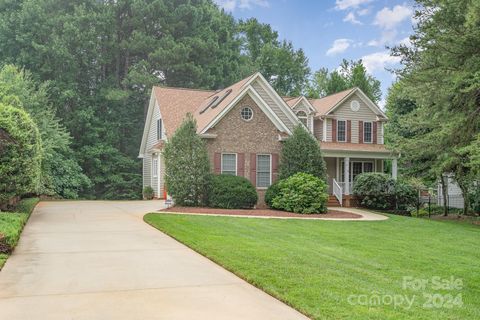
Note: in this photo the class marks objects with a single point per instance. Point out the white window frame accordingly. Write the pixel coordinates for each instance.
(371, 132)
(303, 117)
(236, 162)
(155, 166)
(256, 171)
(338, 127)
(159, 129)
(341, 169)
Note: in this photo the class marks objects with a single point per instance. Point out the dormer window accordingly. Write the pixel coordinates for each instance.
(302, 116)
(159, 129)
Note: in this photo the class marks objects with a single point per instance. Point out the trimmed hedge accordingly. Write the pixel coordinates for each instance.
(232, 192)
(148, 193)
(271, 192)
(301, 193)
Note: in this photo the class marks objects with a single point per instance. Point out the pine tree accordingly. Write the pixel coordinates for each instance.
(301, 153)
(187, 168)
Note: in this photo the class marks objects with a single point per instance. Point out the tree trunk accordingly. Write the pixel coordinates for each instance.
(466, 198)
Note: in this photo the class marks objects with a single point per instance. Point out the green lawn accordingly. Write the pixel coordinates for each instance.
(11, 224)
(326, 269)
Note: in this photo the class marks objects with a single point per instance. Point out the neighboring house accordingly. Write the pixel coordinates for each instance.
(244, 126)
(454, 193)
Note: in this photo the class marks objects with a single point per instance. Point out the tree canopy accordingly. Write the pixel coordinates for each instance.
(350, 74)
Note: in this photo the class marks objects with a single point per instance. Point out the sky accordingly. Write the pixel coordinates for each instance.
(331, 30)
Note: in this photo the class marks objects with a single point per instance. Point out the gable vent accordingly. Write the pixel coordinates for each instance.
(217, 102)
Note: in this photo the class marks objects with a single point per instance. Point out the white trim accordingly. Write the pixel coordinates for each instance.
(261, 104)
(236, 161)
(154, 165)
(241, 116)
(370, 104)
(346, 131)
(256, 170)
(325, 129)
(307, 103)
(148, 119)
(371, 132)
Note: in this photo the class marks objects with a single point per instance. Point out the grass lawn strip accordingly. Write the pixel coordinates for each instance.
(11, 226)
(315, 266)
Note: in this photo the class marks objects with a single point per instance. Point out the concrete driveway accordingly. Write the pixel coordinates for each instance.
(99, 260)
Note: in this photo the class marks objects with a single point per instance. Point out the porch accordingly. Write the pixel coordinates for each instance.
(342, 171)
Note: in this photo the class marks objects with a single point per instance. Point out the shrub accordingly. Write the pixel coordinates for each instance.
(26, 205)
(301, 193)
(20, 154)
(405, 194)
(271, 192)
(232, 192)
(375, 190)
(187, 168)
(148, 193)
(301, 153)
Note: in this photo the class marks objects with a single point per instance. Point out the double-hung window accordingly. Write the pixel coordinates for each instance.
(159, 129)
(342, 130)
(229, 163)
(264, 170)
(367, 132)
(302, 116)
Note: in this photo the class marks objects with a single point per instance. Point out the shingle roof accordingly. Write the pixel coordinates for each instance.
(323, 105)
(343, 146)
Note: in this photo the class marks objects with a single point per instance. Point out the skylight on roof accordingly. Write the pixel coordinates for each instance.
(209, 104)
(216, 103)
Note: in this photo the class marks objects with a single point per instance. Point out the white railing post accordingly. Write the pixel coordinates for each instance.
(337, 191)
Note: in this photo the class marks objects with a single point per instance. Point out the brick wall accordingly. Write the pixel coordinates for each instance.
(259, 135)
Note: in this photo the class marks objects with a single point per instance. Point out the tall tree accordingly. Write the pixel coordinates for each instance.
(441, 75)
(350, 74)
(286, 68)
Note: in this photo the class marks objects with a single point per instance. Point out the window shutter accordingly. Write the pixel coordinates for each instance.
(334, 130)
(349, 130)
(241, 164)
(374, 132)
(217, 159)
(360, 131)
(274, 167)
(253, 168)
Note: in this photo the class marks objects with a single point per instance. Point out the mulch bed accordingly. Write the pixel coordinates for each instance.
(261, 212)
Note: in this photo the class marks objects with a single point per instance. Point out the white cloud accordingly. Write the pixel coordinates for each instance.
(231, 5)
(363, 12)
(379, 61)
(339, 46)
(406, 42)
(350, 17)
(387, 38)
(348, 4)
(390, 18)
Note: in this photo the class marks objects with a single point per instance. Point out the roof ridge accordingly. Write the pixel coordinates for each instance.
(332, 94)
(182, 88)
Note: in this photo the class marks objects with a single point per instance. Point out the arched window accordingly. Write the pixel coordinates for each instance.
(302, 116)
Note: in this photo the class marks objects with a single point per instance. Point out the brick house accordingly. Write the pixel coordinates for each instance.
(244, 126)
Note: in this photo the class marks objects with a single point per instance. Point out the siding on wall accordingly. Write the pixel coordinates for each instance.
(329, 130)
(273, 105)
(318, 129)
(151, 141)
(302, 107)
(343, 112)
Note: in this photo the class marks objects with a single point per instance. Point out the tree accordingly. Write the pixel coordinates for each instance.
(441, 75)
(284, 67)
(351, 74)
(60, 173)
(301, 153)
(187, 168)
(20, 154)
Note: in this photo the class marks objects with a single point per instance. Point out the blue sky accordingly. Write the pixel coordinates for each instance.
(330, 30)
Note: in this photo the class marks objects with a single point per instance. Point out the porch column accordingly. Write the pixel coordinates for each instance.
(346, 166)
(394, 169)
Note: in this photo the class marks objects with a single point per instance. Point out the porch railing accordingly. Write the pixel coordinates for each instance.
(342, 185)
(337, 191)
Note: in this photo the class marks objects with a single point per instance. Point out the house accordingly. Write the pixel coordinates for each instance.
(245, 125)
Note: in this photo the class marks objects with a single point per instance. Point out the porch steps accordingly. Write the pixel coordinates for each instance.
(332, 201)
